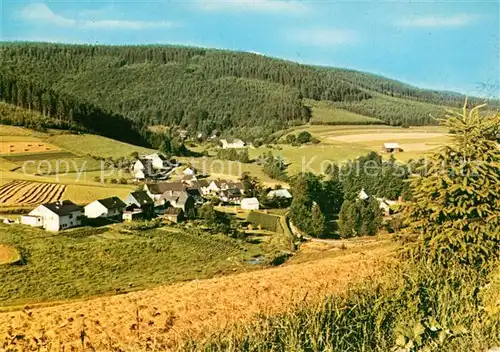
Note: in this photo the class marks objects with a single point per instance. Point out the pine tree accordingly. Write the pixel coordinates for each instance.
(317, 225)
(348, 220)
(456, 207)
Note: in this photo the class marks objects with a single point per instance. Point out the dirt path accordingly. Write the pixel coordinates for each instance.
(166, 313)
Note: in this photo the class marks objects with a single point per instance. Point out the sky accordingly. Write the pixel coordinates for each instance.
(446, 45)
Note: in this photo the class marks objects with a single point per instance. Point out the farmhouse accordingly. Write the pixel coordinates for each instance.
(144, 165)
(54, 216)
(158, 161)
(250, 204)
(174, 215)
(202, 186)
(236, 143)
(232, 196)
(112, 207)
(391, 148)
(153, 166)
(157, 190)
(183, 201)
(139, 205)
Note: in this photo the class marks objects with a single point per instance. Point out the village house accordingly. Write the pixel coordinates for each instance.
(139, 205)
(175, 215)
(202, 186)
(154, 167)
(391, 148)
(235, 144)
(142, 169)
(158, 161)
(214, 187)
(250, 204)
(279, 193)
(189, 179)
(183, 201)
(231, 196)
(195, 192)
(112, 207)
(157, 190)
(189, 171)
(54, 216)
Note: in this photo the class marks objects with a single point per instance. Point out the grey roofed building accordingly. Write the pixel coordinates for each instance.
(139, 198)
(61, 208)
(112, 203)
(161, 188)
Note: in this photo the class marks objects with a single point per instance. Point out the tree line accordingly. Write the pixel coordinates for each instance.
(319, 201)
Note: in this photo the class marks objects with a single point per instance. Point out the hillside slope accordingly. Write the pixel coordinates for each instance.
(198, 89)
(166, 314)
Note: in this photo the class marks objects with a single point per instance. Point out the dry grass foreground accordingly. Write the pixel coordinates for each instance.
(165, 314)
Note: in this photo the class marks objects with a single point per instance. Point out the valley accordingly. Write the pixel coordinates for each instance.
(159, 198)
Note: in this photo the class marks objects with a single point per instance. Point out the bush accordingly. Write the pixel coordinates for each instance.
(143, 225)
(304, 137)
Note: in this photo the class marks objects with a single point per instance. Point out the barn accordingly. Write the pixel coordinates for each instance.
(391, 148)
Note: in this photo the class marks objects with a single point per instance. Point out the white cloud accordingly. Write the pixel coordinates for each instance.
(263, 6)
(41, 13)
(323, 37)
(438, 21)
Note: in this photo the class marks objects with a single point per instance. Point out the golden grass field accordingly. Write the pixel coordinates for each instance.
(19, 147)
(166, 313)
(26, 193)
(8, 254)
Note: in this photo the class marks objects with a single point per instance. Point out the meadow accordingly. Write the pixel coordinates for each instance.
(72, 164)
(97, 146)
(87, 262)
(324, 113)
(167, 314)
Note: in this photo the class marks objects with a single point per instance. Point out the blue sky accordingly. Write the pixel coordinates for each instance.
(441, 45)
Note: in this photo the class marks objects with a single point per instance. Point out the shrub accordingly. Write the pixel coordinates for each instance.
(304, 137)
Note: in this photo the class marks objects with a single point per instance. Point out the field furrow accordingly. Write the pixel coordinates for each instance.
(14, 191)
(37, 192)
(24, 192)
(60, 193)
(30, 193)
(45, 195)
(5, 188)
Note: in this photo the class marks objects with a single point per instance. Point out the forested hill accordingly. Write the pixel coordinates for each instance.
(243, 94)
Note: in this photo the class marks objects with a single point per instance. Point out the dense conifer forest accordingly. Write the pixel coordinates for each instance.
(197, 89)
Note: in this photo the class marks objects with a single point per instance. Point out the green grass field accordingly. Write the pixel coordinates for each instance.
(88, 262)
(66, 165)
(338, 143)
(324, 113)
(94, 145)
